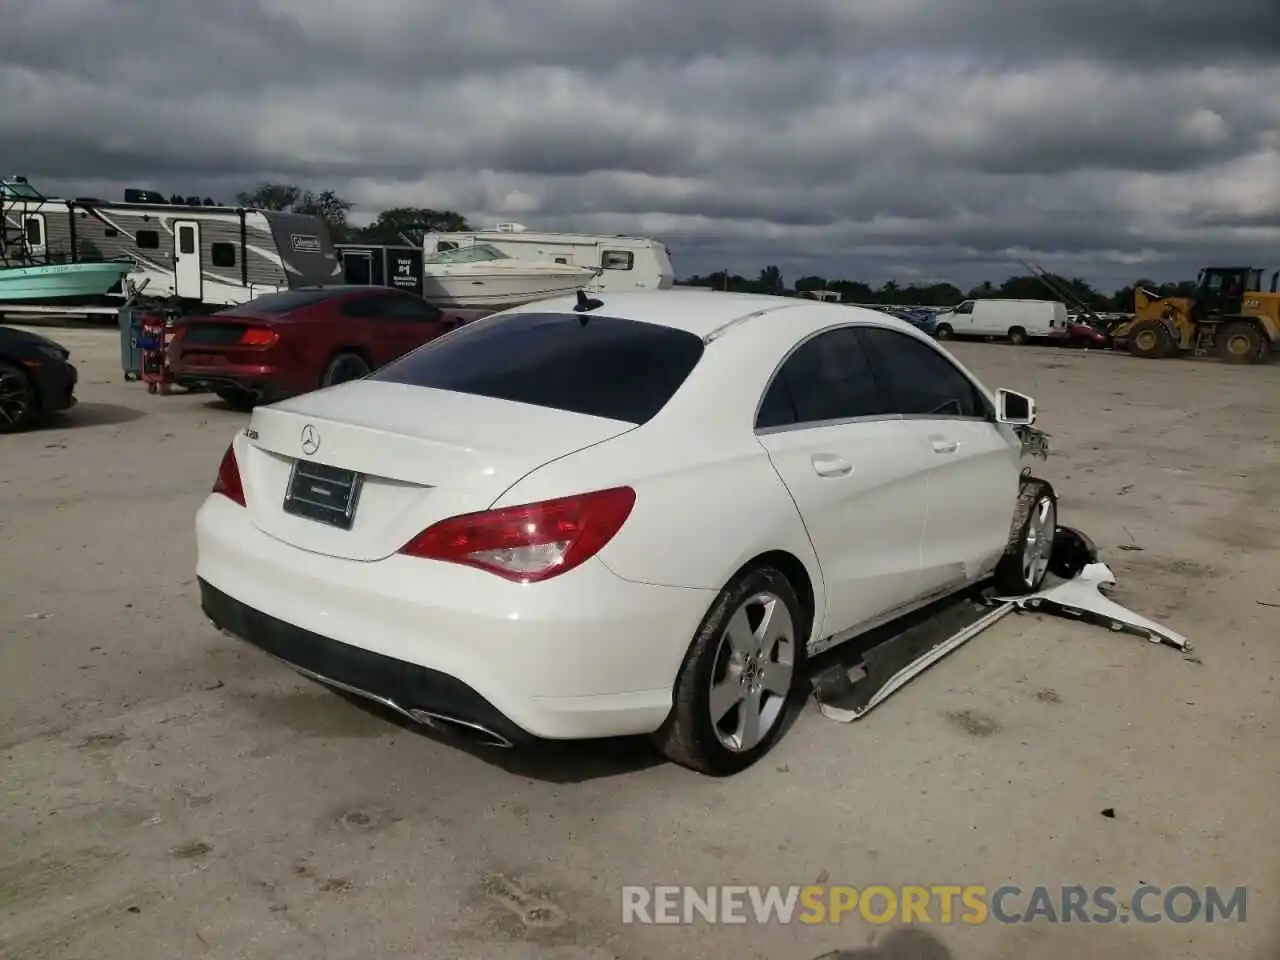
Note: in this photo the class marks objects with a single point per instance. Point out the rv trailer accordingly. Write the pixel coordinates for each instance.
(625, 263)
(201, 256)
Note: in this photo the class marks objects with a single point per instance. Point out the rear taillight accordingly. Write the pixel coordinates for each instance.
(531, 542)
(228, 483)
(258, 337)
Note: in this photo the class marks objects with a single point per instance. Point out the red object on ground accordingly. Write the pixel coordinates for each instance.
(156, 335)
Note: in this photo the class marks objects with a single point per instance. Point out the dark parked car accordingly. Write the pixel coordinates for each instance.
(925, 321)
(283, 344)
(36, 378)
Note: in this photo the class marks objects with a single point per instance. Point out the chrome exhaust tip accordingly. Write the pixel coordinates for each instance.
(472, 731)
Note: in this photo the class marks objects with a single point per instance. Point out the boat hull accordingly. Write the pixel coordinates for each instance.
(501, 288)
(60, 282)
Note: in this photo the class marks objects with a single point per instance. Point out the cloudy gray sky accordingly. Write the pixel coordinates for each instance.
(868, 139)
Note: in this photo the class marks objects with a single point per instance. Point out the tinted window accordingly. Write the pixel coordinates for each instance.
(186, 240)
(828, 378)
(401, 307)
(147, 240)
(920, 379)
(364, 307)
(599, 366)
(281, 302)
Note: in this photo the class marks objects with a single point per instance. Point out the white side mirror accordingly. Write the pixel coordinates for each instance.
(1016, 409)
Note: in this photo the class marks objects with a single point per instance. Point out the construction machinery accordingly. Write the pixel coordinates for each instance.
(1228, 314)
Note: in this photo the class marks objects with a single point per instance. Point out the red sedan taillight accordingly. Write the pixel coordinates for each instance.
(531, 542)
(258, 337)
(228, 483)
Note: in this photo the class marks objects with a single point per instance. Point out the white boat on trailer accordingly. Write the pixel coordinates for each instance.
(483, 276)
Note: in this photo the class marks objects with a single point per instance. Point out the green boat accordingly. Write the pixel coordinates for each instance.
(56, 282)
(31, 271)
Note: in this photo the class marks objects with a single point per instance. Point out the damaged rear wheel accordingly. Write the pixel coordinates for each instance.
(1029, 552)
(738, 680)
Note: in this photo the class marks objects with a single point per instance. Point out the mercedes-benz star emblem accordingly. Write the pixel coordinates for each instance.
(310, 440)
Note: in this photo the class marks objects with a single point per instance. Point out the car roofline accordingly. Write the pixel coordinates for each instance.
(737, 321)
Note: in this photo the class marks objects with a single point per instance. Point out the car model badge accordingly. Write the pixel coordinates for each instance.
(310, 440)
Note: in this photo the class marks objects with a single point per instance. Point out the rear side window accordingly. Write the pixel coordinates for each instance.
(599, 366)
(828, 378)
(920, 379)
(281, 302)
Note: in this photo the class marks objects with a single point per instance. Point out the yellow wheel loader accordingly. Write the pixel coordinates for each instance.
(1228, 315)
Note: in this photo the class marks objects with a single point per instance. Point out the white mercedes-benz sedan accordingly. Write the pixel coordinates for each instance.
(584, 518)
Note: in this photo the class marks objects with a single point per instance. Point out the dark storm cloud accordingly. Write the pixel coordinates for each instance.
(902, 136)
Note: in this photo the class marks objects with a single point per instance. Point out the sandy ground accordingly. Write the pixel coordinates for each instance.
(166, 792)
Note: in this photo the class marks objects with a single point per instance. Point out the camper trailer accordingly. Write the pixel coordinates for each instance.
(625, 263)
(201, 255)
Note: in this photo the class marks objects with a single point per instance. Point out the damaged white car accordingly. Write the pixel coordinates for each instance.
(586, 518)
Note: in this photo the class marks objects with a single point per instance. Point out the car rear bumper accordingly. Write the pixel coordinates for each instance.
(260, 380)
(585, 655)
(386, 680)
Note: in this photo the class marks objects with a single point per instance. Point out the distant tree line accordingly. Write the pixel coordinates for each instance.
(1023, 287)
(396, 225)
(400, 224)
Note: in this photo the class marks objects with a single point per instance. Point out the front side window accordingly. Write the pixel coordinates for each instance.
(920, 380)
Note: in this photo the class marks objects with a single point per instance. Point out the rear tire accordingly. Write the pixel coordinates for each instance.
(343, 368)
(19, 404)
(1150, 340)
(1029, 552)
(1241, 342)
(237, 399)
(1017, 336)
(740, 677)
(943, 331)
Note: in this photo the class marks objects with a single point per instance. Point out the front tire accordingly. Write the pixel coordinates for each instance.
(943, 331)
(1150, 340)
(1029, 552)
(739, 678)
(19, 404)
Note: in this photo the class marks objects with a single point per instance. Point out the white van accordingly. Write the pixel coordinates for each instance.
(625, 263)
(1017, 320)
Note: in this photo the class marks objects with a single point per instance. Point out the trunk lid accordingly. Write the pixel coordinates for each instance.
(215, 332)
(421, 455)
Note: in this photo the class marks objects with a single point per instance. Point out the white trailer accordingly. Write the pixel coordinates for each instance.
(625, 263)
(1016, 320)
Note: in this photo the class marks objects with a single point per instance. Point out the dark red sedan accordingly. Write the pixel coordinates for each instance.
(1084, 335)
(283, 344)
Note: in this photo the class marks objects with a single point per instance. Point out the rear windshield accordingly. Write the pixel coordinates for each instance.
(600, 366)
(281, 302)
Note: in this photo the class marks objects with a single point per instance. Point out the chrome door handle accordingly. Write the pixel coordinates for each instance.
(944, 446)
(829, 465)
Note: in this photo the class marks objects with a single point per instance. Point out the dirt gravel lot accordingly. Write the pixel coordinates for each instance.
(166, 792)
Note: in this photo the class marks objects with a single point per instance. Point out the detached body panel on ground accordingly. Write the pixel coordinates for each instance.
(580, 519)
